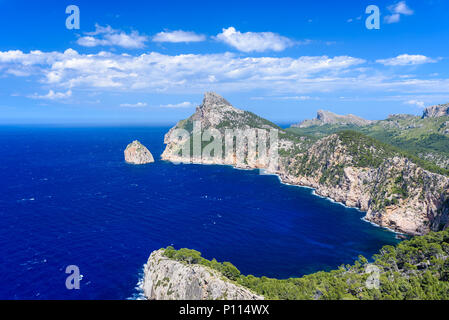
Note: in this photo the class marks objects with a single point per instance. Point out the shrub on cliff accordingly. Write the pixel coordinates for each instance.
(414, 269)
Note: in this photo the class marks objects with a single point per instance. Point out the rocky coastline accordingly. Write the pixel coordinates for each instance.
(395, 192)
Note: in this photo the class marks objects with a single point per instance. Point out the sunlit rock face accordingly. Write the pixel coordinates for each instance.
(136, 153)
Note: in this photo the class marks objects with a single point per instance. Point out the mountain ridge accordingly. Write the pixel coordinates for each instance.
(327, 117)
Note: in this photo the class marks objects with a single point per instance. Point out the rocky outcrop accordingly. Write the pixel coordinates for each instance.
(440, 110)
(168, 279)
(347, 167)
(392, 190)
(327, 117)
(214, 113)
(136, 153)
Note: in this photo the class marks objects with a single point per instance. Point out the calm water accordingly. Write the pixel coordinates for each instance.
(68, 198)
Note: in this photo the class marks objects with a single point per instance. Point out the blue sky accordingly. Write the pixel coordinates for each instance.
(150, 62)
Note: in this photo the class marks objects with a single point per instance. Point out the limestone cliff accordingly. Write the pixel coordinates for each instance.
(168, 279)
(136, 153)
(436, 111)
(349, 167)
(360, 172)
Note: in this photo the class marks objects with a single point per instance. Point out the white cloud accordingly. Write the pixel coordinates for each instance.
(396, 11)
(52, 95)
(152, 72)
(402, 8)
(155, 72)
(406, 60)
(417, 103)
(134, 105)
(178, 105)
(106, 36)
(254, 41)
(396, 17)
(178, 36)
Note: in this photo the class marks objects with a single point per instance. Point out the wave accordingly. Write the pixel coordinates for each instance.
(138, 289)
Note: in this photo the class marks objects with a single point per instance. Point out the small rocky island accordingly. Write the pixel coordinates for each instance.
(137, 153)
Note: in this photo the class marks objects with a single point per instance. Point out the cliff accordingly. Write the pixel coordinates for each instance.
(436, 111)
(327, 117)
(136, 153)
(169, 279)
(361, 172)
(394, 190)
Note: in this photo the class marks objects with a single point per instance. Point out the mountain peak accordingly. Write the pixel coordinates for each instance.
(214, 99)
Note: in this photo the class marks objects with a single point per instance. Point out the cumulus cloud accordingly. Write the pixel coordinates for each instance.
(153, 72)
(417, 103)
(134, 105)
(178, 36)
(254, 41)
(52, 95)
(396, 11)
(406, 60)
(107, 36)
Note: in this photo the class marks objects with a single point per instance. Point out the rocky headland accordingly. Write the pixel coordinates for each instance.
(394, 190)
(169, 279)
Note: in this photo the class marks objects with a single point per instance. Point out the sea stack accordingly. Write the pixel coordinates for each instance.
(137, 153)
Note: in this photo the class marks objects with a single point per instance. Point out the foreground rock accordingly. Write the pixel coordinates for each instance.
(349, 167)
(136, 153)
(167, 279)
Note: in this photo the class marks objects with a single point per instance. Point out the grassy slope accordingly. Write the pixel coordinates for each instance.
(417, 137)
(414, 269)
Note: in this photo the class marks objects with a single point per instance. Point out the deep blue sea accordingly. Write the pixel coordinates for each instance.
(68, 198)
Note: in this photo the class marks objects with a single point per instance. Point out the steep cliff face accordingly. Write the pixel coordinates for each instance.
(136, 153)
(355, 170)
(168, 279)
(348, 167)
(436, 111)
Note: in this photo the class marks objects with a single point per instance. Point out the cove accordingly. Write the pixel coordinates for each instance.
(72, 200)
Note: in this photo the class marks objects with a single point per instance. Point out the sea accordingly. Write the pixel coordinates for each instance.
(68, 198)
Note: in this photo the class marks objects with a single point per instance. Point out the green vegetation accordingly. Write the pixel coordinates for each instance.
(370, 152)
(414, 269)
(427, 139)
(190, 256)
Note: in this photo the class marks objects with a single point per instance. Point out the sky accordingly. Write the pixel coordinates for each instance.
(150, 62)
